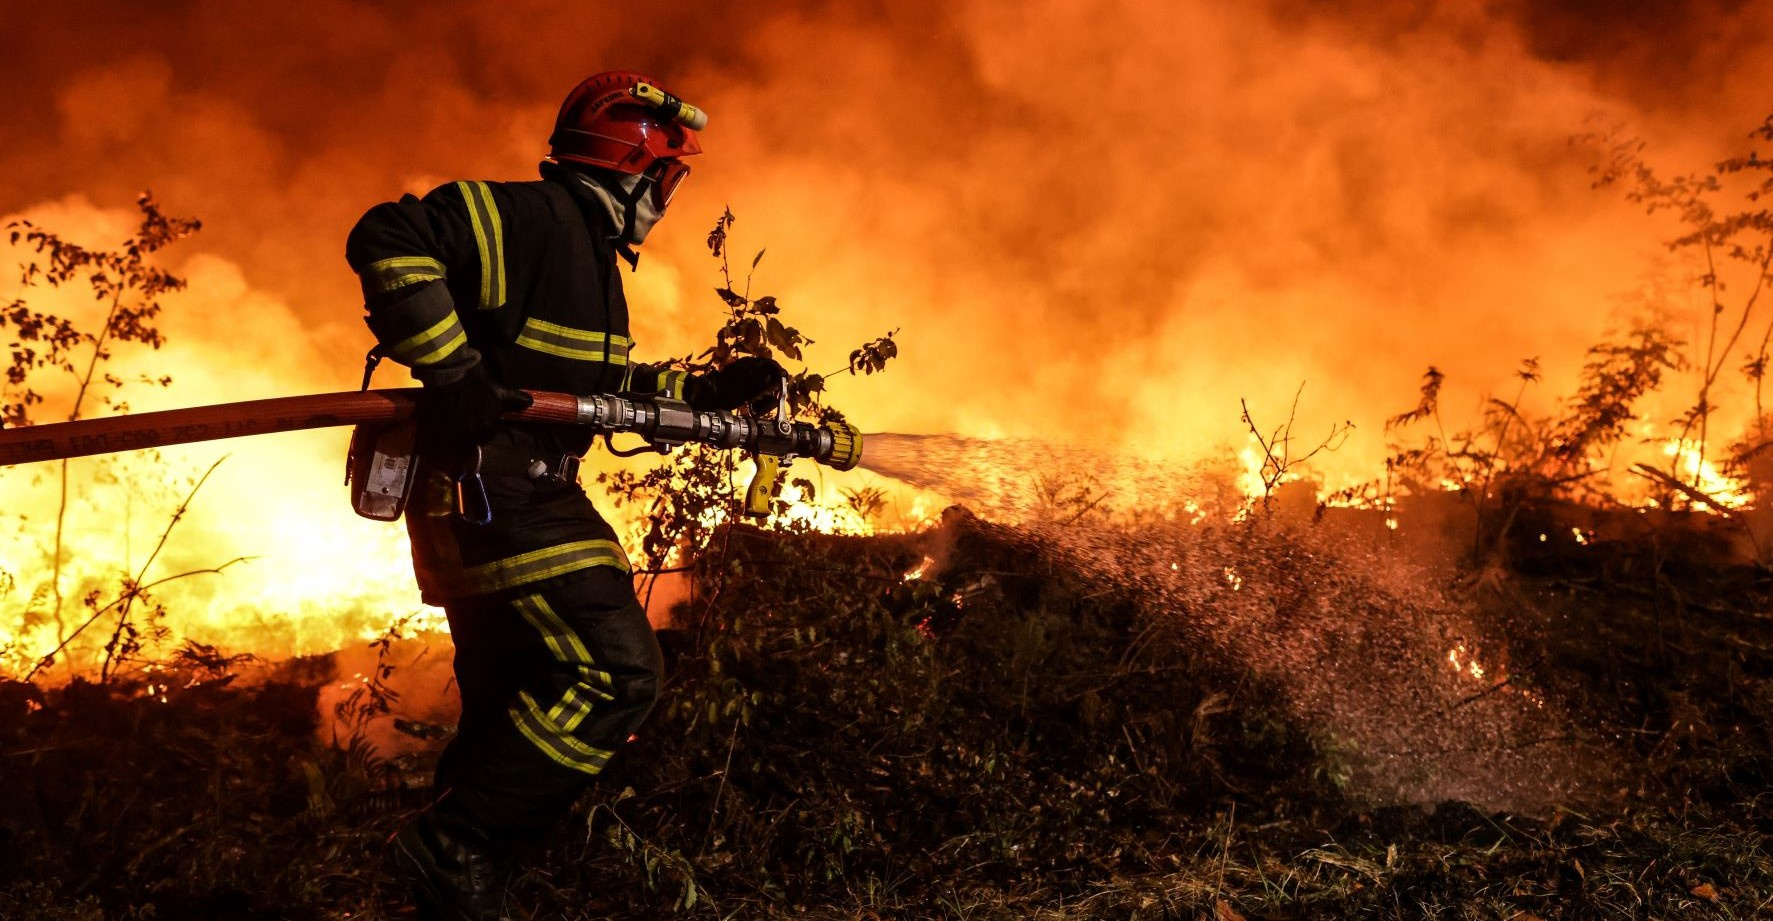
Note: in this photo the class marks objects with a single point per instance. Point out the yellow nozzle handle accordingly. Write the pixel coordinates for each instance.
(765, 483)
(672, 107)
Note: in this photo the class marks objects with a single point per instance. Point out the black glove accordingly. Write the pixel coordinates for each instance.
(463, 413)
(746, 379)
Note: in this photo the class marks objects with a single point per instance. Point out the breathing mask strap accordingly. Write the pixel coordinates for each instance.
(629, 200)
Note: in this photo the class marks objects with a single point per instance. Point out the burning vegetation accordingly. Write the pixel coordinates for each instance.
(1170, 661)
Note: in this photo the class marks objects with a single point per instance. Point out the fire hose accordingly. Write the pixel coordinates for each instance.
(663, 423)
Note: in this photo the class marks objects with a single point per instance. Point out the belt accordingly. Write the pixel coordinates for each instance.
(472, 504)
(504, 460)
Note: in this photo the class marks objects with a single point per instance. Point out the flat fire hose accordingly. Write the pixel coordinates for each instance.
(663, 422)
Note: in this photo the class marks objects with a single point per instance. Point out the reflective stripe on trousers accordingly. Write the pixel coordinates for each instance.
(553, 680)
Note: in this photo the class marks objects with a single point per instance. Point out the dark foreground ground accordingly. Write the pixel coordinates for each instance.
(1013, 736)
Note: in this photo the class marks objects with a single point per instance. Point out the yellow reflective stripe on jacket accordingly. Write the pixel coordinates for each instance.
(400, 271)
(554, 740)
(433, 345)
(576, 344)
(535, 566)
(489, 236)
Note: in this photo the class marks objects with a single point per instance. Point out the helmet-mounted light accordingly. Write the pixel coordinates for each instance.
(670, 106)
(624, 121)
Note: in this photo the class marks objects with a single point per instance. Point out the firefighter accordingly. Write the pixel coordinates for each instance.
(486, 289)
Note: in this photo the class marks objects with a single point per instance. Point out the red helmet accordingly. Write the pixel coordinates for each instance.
(622, 121)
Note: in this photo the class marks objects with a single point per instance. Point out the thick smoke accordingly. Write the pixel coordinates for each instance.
(1084, 218)
(1100, 223)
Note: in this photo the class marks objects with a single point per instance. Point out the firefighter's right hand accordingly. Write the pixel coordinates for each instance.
(746, 379)
(465, 412)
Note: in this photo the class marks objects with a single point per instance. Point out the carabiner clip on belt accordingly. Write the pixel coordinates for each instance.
(472, 505)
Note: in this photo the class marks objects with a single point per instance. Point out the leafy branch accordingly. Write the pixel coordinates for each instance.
(130, 286)
(1278, 463)
(1720, 235)
(686, 499)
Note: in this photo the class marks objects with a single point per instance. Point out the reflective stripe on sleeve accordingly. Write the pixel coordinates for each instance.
(421, 329)
(400, 271)
(575, 344)
(433, 345)
(489, 236)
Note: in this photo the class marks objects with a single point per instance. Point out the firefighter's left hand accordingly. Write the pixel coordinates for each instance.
(744, 380)
(465, 412)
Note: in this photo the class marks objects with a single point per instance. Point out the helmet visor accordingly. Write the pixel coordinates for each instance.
(666, 175)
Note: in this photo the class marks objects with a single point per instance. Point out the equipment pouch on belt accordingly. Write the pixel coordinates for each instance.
(381, 467)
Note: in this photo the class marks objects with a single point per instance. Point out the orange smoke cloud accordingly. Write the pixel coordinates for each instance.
(1103, 222)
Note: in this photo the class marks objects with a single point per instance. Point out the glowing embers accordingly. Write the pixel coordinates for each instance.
(1468, 664)
(161, 681)
(156, 688)
(1233, 579)
(1465, 661)
(917, 572)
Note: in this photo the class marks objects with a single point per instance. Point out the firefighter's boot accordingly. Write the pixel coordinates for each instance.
(450, 871)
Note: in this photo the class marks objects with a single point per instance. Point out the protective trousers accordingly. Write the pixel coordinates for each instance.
(553, 677)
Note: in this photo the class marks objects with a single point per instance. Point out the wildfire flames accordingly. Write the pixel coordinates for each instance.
(1148, 210)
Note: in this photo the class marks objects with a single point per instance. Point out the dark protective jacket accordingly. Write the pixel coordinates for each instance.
(521, 277)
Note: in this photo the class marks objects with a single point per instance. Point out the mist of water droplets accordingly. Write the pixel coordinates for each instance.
(1351, 631)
